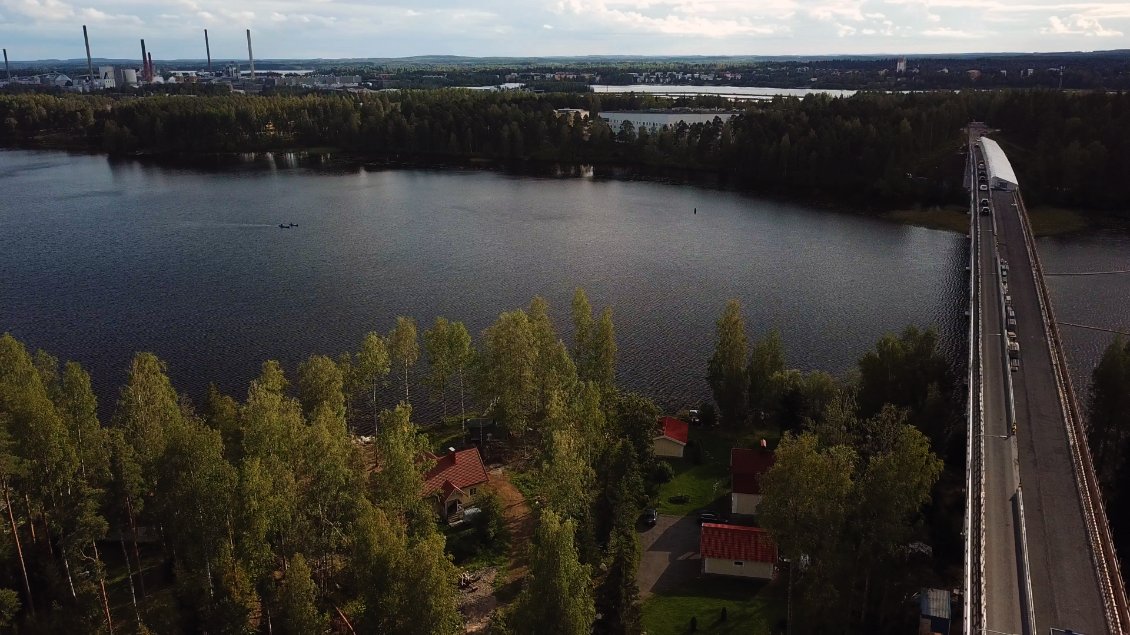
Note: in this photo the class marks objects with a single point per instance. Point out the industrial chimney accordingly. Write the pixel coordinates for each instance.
(208, 50)
(89, 64)
(6, 67)
(144, 62)
(250, 56)
(152, 71)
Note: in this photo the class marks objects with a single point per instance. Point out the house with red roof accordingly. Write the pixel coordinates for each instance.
(747, 552)
(747, 465)
(455, 480)
(672, 438)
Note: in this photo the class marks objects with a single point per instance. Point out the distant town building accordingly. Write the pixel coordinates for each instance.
(571, 115)
(900, 66)
(656, 120)
(973, 74)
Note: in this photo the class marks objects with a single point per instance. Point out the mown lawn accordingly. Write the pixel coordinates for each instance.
(752, 608)
(706, 483)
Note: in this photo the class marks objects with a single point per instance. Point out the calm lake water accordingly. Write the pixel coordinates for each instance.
(749, 92)
(100, 259)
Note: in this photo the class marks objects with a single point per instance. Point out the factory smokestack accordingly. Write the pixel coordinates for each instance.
(144, 62)
(89, 64)
(208, 50)
(152, 71)
(250, 56)
(6, 68)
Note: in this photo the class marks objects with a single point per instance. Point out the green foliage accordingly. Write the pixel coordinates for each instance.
(404, 347)
(909, 371)
(846, 498)
(321, 386)
(9, 606)
(398, 485)
(857, 150)
(558, 598)
(1108, 424)
(618, 597)
(726, 370)
(298, 612)
(449, 352)
(505, 371)
(766, 359)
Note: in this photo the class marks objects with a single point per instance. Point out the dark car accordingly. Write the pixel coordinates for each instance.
(711, 517)
(650, 516)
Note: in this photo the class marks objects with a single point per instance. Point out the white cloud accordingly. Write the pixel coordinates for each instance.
(950, 34)
(1078, 24)
(379, 28)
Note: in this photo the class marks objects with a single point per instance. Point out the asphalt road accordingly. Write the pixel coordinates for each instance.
(1064, 582)
(1003, 590)
(669, 555)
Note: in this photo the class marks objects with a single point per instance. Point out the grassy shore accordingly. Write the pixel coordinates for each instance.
(949, 218)
(1055, 221)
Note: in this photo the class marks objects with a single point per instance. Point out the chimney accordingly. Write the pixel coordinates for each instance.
(451, 453)
(208, 50)
(250, 56)
(7, 69)
(764, 444)
(152, 72)
(89, 63)
(144, 62)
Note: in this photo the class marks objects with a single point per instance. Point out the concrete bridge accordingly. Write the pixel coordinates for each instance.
(1039, 557)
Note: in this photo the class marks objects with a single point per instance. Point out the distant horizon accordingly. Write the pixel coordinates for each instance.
(352, 29)
(595, 58)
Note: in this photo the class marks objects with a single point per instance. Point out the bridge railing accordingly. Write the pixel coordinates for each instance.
(974, 526)
(1098, 527)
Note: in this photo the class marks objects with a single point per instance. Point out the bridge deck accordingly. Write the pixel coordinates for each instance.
(1065, 584)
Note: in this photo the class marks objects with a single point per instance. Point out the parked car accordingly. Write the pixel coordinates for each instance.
(984, 187)
(650, 516)
(712, 517)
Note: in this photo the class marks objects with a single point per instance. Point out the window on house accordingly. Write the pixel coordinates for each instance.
(473, 491)
(738, 563)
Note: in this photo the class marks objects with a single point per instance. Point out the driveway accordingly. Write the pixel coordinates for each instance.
(670, 554)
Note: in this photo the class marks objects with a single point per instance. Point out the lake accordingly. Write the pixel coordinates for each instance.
(737, 92)
(101, 258)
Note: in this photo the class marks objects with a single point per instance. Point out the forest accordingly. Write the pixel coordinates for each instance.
(873, 151)
(299, 508)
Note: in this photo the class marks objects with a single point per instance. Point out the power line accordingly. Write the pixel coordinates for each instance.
(1093, 328)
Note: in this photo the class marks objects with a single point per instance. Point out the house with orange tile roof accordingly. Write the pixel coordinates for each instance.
(454, 481)
(672, 438)
(747, 552)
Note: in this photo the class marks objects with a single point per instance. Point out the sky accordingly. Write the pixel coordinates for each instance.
(173, 29)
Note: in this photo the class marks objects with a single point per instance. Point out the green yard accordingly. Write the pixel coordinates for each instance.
(752, 608)
(705, 483)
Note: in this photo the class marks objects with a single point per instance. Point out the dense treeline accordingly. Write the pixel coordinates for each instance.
(1108, 433)
(856, 466)
(878, 150)
(264, 514)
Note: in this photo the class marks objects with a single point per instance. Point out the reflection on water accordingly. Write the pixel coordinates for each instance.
(192, 265)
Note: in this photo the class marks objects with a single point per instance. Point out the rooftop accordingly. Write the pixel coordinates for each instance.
(674, 429)
(746, 467)
(455, 470)
(733, 542)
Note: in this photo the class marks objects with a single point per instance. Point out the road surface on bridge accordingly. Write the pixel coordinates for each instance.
(1065, 584)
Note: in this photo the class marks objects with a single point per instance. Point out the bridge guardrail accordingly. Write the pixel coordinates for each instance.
(1098, 527)
(974, 526)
